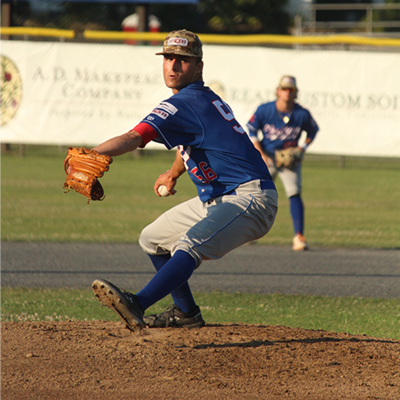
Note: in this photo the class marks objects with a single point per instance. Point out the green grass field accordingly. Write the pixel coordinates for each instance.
(354, 207)
(373, 317)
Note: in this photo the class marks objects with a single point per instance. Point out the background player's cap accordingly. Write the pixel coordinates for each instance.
(183, 43)
(288, 82)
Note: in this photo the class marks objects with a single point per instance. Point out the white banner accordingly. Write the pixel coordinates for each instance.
(83, 94)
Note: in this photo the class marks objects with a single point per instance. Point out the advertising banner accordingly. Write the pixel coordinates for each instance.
(83, 94)
(353, 96)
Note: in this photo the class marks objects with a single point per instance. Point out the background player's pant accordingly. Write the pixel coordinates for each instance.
(211, 230)
(291, 181)
(290, 178)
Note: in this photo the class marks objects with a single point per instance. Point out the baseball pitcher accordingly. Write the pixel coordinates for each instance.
(236, 203)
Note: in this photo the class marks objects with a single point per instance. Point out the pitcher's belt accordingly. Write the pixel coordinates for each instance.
(258, 184)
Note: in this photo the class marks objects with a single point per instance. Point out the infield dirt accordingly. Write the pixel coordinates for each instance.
(103, 360)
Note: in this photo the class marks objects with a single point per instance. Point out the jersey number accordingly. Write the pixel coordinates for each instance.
(209, 174)
(227, 115)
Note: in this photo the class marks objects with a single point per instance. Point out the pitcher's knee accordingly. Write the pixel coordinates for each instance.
(188, 248)
(146, 242)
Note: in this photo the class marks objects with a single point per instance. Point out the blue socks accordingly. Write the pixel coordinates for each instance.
(297, 211)
(171, 278)
(159, 261)
(182, 296)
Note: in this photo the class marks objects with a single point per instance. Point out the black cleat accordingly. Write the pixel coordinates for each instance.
(123, 303)
(173, 317)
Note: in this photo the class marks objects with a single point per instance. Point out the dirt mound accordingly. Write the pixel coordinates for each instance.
(90, 360)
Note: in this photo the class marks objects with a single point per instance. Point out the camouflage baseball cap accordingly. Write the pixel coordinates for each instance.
(183, 43)
(288, 82)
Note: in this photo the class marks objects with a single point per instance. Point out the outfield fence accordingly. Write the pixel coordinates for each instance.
(350, 84)
(315, 41)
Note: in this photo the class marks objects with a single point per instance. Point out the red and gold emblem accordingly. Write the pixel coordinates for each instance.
(11, 90)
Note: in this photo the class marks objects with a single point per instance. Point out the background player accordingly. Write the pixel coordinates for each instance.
(281, 123)
(237, 199)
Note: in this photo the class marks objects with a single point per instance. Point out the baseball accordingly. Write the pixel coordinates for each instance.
(163, 191)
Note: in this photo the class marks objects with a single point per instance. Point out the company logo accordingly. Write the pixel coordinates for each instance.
(11, 90)
(177, 42)
(160, 113)
(168, 107)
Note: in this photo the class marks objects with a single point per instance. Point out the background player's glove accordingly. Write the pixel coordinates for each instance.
(83, 166)
(288, 158)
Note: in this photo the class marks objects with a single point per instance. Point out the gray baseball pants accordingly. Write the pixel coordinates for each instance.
(290, 178)
(212, 229)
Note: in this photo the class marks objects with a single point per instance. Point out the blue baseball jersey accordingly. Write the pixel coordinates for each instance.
(216, 151)
(281, 130)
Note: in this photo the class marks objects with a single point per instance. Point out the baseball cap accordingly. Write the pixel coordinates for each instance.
(288, 82)
(182, 43)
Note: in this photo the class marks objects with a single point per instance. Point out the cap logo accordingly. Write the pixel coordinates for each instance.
(176, 41)
(288, 80)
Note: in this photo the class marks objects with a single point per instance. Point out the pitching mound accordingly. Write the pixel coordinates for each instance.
(103, 360)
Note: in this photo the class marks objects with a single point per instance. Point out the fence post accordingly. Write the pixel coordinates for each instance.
(22, 150)
(369, 19)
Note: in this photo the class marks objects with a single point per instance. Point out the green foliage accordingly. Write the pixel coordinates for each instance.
(387, 15)
(246, 16)
(378, 15)
(207, 16)
(373, 317)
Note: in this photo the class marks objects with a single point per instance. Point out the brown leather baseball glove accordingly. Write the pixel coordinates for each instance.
(288, 158)
(83, 168)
